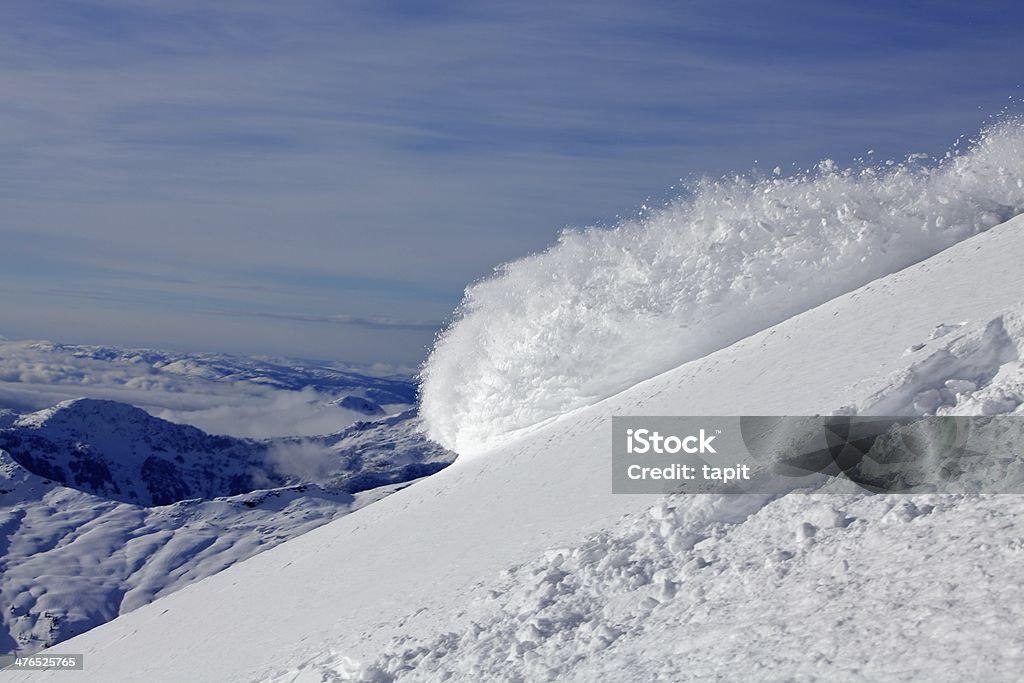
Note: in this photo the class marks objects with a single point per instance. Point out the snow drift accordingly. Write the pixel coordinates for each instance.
(603, 309)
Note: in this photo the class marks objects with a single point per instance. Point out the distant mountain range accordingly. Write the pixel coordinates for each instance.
(104, 507)
(221, 394)
(122, 453)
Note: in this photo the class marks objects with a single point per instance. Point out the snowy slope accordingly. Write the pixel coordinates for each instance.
(461, 567)
(70, 560)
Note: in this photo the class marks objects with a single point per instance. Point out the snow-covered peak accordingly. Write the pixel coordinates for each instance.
(89, 414)
(120, 452)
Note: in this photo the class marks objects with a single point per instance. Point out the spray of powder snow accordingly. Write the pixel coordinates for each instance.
(606, 308)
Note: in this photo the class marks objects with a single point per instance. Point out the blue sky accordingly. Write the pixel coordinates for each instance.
(321, 179)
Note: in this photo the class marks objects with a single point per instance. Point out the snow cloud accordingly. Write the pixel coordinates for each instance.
(604, 309)
(306, 461)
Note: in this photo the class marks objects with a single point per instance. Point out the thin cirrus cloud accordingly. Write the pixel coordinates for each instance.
(169, 167)
(371, 322)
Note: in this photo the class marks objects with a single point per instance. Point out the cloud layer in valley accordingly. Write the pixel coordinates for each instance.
(219, 394)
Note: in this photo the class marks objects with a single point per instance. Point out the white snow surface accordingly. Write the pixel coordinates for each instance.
(521, 565)
(604, 309)
(70, 560)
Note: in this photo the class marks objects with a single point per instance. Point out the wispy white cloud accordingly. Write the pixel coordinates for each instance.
(375, 322)
(196, 146)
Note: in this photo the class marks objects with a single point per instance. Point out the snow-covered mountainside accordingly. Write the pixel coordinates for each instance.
(604, 309)
(527, 567)
(120, 452)
(103, 507)
(253, 397)
(70, 561)
(371, 454)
